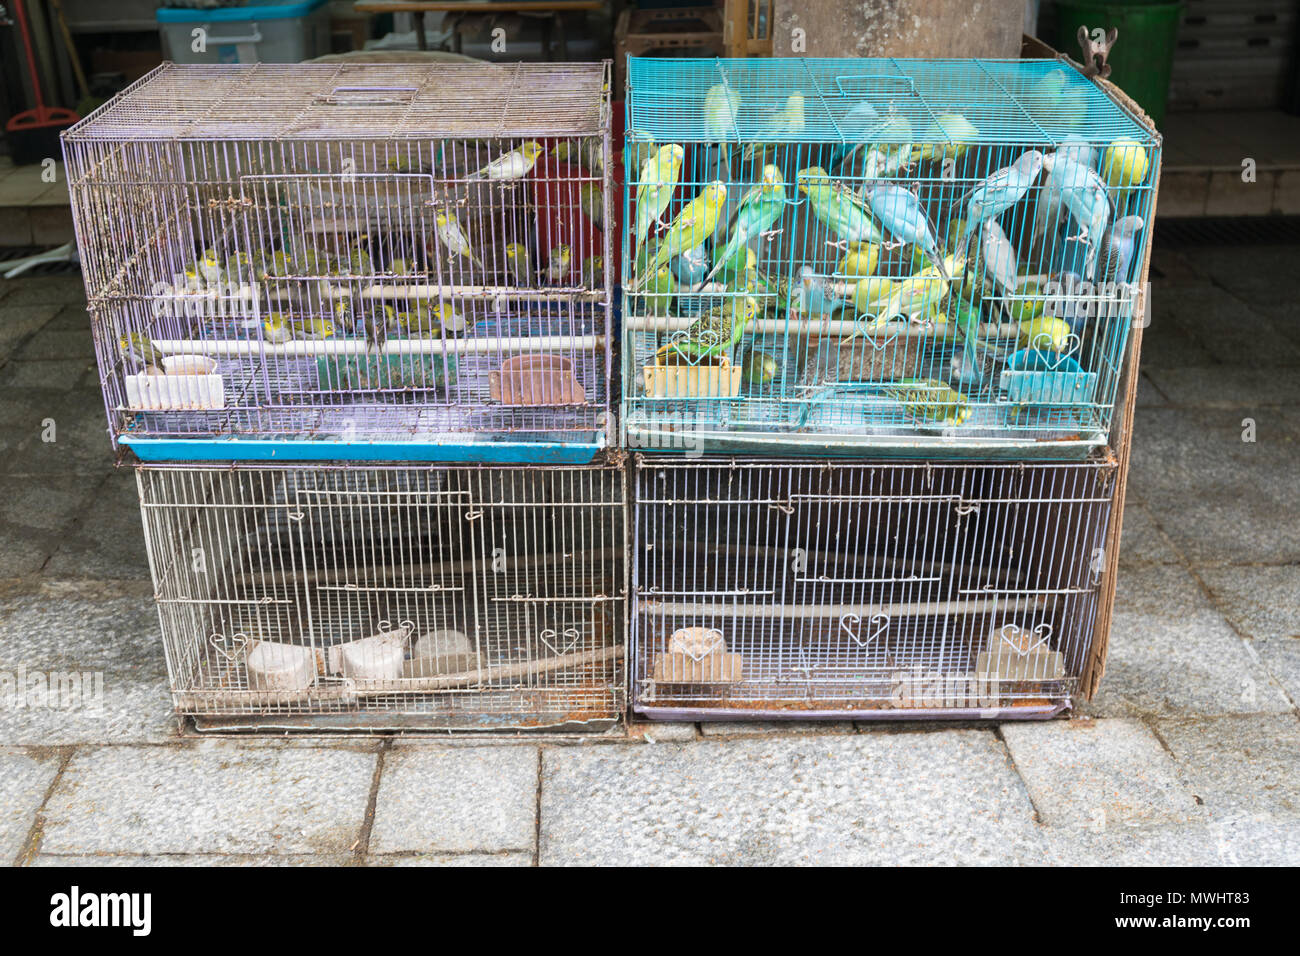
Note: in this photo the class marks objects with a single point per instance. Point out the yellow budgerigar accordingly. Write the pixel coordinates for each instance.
(694, 224)
(656, 183)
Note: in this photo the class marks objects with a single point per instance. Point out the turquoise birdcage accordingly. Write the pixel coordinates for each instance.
(879, 257)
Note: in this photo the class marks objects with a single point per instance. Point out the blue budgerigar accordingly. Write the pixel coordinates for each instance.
(1080, 190)
(1001, 190)
(901, 213)
(837, 207)
(1115, 257)
(760, 207)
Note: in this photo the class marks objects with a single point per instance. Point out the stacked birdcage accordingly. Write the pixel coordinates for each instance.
(364, 263)
(936, 260)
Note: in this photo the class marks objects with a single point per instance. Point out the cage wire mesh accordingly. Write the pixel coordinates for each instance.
(860, 256)
(353, 253)
(799, 588)
(433, 597)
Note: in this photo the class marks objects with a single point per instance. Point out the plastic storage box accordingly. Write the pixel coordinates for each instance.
(272, 31)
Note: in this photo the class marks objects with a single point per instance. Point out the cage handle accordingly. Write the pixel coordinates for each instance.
(369, 95)
(887, 77)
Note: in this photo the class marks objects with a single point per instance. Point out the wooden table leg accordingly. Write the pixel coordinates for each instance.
(421, 42)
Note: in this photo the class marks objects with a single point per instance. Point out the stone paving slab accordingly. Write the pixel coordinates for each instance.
(113, 646)
(941, 797)
(211, 797)
(1219, 499)
(1099, 774)
(459, 799)
(1239, 765)
(1229, 844)
(107, 541)
(1141, 540)
(24, 780)
(457, 860)
(1171, 653)
(754, 728)
(195, 859)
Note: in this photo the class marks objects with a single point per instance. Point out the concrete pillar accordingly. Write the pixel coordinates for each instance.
(936, 28)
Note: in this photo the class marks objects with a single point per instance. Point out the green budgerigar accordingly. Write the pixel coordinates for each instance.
(660, 292)
(656, 183)
(713, 334)
(760, 207)
(845, 214)
(694, 224)
(929, 400)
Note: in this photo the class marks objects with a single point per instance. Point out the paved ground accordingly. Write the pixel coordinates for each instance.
(1190, 754)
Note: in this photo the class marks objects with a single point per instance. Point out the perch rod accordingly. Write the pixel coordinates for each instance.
(319, 348)
(915, 609)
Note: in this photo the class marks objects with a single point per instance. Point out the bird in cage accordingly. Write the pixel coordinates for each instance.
(947, 137)
(720, 108)
(999, 191)
(837, 208)
(276, 328)
(454, 238)
(859, 261)
(998, 260)
(656, 183)
(587, 153)
(431, 320)
(591, 200)
(786, 123)
(660, 292)
(905, 218)
(559, 264)
(312, 327)
(519, 264)
(916, 298)
(141, 347)
(712, 335)
(689, 230)
(515, 164)
(1046, 333)
(239, 266)
(931, 401)
(759, 209)
(593, 270)
(209, 267)
(1081, 191)
(887, 153)
(1115, 257)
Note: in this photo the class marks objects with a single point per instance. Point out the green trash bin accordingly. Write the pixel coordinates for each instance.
(1142, 59)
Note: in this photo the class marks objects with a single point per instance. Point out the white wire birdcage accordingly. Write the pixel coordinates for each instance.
(819, 589)
(368, 597)
(335, 261)
(884, 257)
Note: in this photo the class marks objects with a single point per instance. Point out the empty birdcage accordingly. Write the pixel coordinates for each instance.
(884, 590)
(883, 257)
(433, 597)
(343, 261)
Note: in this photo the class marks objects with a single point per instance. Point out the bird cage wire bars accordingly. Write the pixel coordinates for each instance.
(430, 597)
(817, 589)
(342, 261)
(878, 256)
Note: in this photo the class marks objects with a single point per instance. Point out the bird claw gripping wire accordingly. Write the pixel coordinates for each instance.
(1096, 47)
